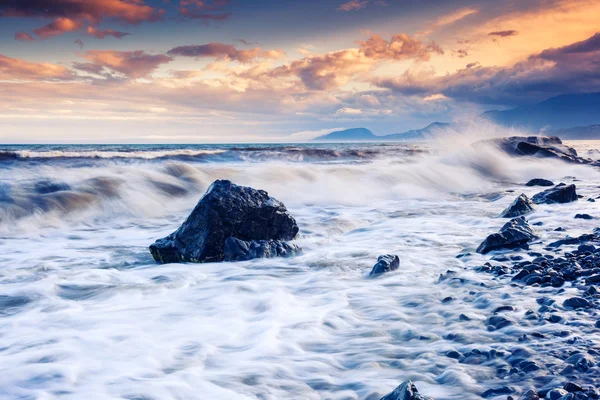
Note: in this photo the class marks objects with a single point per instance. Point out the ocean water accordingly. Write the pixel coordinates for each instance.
(85, 312)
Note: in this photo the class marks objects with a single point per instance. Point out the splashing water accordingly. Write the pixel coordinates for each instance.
(87, 313)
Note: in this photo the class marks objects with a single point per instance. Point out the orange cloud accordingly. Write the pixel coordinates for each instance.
(399, 47)
(57, 27)
(17, 69)
(224, 51)
(132, 64)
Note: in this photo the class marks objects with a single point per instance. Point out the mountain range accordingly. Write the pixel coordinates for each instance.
(573, 116)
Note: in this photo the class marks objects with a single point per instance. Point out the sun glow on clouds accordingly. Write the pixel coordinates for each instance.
(469, 55)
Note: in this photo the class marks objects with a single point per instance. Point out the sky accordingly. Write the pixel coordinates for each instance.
(219, 71)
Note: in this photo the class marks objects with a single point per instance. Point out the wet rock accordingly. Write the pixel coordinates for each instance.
(498, 322)
(576, 302)
(241, 250)
(583, 216)
(539, 182)
(453, 354)
(499, 391)
(226, 210)
(572, 387)
(405, 391)
(520, 206)
(537, 146)
(555, 394)
(385, 263)
(560, 193)
(529, 395)
(515, 233)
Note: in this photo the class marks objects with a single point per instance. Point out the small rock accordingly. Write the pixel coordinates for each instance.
(453, 354)
(576, 302)
(529, 395)
(385, 263)
(520, 206)
(572, 387)
(405, 391)
(497, 392)
(583, 216)
(539, 182)
(515, 233)
(555, 394)
(498, 322)
(561, 193)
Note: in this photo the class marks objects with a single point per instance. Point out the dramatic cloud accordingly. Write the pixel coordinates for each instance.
(399, 47)
(70, 15)
(568, 69)
(132, 64)
(204, 10)
(101, 34)
(224, 51)
(16, 69)
(504, 33)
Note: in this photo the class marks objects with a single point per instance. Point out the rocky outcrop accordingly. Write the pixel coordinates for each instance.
(405, 391)
(520, 206)
(385, 263)
(242, 250)
(538, 146)
(229, 211)
(560, 193)
(515, 233)
(539, 182)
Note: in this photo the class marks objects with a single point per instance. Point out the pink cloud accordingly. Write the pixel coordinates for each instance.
(57, 27)
(132, 64)
(101, 34)
(17, 69)
(353, 5)
(224, 51)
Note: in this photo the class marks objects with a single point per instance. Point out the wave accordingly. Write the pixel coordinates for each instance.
(55, 193)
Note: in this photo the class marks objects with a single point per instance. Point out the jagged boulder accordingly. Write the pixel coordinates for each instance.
(385, 263)
(515, 233)
(229, 211)
(560, 193)
(520, 206)
(539, 182)
(405, 391)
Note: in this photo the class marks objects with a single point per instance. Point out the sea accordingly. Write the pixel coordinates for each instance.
(86, 313)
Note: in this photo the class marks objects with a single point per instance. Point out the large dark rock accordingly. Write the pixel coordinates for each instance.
(515, 233)
(520, 206)
(405, 391)
(560, 193)
(242, 250)
(537, 146)
(385, 263)
(539, 182)
(228, 210)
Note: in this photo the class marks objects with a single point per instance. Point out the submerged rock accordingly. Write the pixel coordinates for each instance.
(539, 182)
(515, 233)
(560, 193)
(520, 206)
(405, 391)
(228, 211)
(385, 263)
(242, 250)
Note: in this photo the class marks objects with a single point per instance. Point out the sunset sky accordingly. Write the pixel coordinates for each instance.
(163, 71)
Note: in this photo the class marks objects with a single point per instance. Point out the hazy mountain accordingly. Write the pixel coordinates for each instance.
(566, 111)
(571, 116)
(354, 134)
(579, 132)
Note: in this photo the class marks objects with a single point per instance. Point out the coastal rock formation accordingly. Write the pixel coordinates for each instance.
(229, 211)
(405, 391)
(515, 233)
(385, 263)
(242, 250)
(538, 146)
(539, 182)
(560, 193)
(520, 206)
